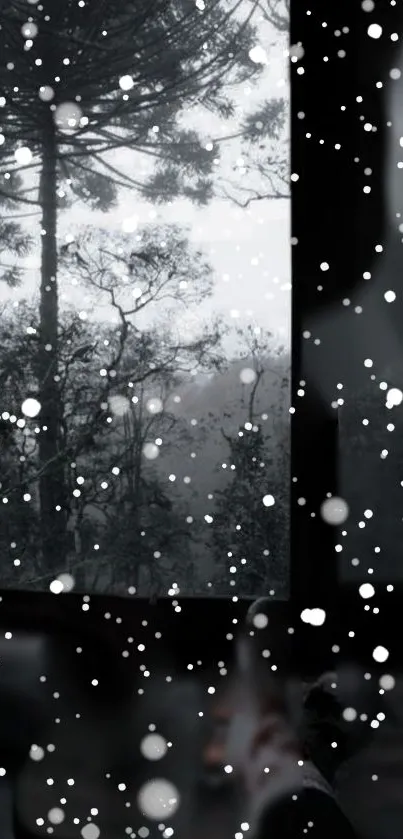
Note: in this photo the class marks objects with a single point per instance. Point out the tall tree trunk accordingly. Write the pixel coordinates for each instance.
(51, 487)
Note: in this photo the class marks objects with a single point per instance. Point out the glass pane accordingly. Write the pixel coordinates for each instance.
(145, 268)
(371, 419)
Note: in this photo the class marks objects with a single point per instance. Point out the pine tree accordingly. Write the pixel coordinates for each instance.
(15, 241)
(262, 170)
(79, 80)
(251, 518)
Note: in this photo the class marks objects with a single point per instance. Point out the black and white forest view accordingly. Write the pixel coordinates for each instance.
(145, 297)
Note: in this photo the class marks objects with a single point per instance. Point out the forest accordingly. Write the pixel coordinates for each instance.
(138, 455)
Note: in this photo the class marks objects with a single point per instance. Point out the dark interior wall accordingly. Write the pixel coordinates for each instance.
(341, 318)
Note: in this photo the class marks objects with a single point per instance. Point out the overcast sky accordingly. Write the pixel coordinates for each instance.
(248, 248)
